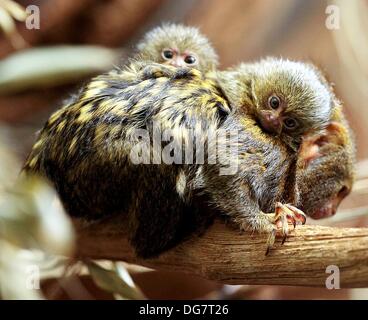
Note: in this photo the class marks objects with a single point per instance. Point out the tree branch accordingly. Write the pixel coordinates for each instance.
(226, 255)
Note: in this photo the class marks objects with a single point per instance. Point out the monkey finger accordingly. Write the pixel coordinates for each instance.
(298, 214)
(270, 241)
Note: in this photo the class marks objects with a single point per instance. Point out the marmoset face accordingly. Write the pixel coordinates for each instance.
(178, 46)
(290, 99)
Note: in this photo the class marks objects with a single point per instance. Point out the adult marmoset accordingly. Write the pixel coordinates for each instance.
(85, 147)
(325, 169)
(325, 165)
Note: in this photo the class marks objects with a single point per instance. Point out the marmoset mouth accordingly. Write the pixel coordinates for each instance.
(330, 208)
(326, 211)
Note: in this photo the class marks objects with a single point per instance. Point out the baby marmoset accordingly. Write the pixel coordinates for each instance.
(84, 149)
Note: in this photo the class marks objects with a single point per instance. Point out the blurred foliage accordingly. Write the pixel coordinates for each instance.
(31, 220)
(37, 237)
(10, 11)
(34, 218)
(115, 279)
(50, 66)
(352, 48)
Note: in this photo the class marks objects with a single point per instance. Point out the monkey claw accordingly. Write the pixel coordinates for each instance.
(285, 215)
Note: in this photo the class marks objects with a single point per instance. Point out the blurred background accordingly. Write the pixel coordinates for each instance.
(40, 67)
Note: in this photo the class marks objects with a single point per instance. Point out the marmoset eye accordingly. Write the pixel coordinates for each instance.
(190, 59)
(290, 123)
(167, 54)
(274, 102)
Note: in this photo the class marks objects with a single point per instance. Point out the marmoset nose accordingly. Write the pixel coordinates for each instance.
(177, 62)
(330, 207)
(270, 122)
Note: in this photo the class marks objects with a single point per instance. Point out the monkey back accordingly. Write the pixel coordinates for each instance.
(84, 146)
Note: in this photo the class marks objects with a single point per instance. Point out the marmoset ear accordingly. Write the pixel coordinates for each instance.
(334, 134)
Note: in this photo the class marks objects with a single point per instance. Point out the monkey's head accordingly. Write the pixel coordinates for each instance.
(325, 170)
(179, 46)
(287, 98)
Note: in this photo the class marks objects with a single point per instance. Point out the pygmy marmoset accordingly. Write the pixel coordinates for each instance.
(95, 134)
